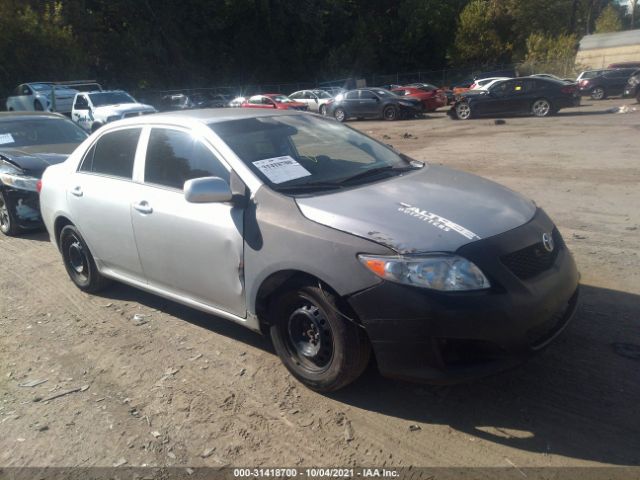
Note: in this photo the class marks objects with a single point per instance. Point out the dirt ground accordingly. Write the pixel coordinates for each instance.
(189, 389)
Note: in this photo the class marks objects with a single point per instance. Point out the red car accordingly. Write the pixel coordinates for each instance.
(274, 100)
(431, 99)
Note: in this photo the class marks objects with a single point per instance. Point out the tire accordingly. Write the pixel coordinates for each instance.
(37, 106)
(463, 111)
(8, 221)
(322, 110)
(598, 93)
(340, 115)
(318, 346)
(79, 262)
(541, 108)
(390, 113)
(95, 126)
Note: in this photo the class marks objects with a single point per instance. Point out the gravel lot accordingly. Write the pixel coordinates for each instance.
(188, 389)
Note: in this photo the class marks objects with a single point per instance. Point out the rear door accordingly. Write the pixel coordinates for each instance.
(194, 250)
(100, 194)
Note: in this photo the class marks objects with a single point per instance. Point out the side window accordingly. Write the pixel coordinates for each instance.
(267, 101)
(367, 94)
(173, 157)
(113, 154)
(295, 96)
(352, 95)
(81, 102)
(26, 90)
(257, 100)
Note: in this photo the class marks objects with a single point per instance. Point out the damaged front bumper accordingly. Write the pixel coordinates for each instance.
(435, 337)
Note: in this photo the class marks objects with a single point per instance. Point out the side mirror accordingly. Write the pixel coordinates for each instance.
(207, 190)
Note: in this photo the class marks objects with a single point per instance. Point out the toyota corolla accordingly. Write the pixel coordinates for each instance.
(332, 243)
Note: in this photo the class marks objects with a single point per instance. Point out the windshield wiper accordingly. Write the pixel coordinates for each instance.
(375, 171)
(304, 187)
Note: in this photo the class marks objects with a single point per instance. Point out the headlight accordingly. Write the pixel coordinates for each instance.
(18, 181)
(113, 118)
(449, 273)
(406, 104)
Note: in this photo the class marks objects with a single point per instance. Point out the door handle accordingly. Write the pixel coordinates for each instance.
(77, 191)
(143, 207)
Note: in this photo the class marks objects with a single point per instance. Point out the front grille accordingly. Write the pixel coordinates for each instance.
(534, 259)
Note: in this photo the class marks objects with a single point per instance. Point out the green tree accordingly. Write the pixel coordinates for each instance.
(609, 20)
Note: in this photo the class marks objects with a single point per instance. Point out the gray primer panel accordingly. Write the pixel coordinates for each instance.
(278, 237)
(434, 210)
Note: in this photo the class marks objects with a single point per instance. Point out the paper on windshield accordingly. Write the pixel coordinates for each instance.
(281, 169)
(6, 138)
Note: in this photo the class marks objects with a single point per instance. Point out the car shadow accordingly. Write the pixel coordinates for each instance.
(35, 235)
(577, 399)
(119, 291)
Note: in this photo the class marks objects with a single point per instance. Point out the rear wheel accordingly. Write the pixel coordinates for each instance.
(320, 348)
(541, 108)
(463, 111)
(8, 221)
(390, 113)
(340, 115)
(79, 262)
(598, 93)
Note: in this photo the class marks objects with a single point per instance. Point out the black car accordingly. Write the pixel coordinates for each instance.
(537, 96)
(373, 103)
(632, 89)
(609, 83)
(29, 143)
(209, 100)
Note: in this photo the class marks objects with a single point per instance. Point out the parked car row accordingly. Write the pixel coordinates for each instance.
(272, 219)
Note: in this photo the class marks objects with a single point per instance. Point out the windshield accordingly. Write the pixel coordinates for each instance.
(26, 133)
(110, 98)
(281, 99)
(383, 93)
(304, 150)
(40, 87)
(321, 94)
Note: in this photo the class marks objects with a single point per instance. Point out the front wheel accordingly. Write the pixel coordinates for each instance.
(323, 110)
(463, 111)
(541, 108)
(598, 93)
(8, 221)
(321, 348)
(340, 115)
(79, 261)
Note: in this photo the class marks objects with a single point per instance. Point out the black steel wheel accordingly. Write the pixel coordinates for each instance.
(8, 221)
(317, 344)
(79, 262)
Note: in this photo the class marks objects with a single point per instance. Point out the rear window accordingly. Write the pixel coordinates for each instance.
(113, 154)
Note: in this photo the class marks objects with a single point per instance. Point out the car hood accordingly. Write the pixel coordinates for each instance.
(35, 159)
(122, 108)
(434, 210)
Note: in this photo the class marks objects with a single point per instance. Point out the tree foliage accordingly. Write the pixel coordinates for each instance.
(189, 43)
(609, 20)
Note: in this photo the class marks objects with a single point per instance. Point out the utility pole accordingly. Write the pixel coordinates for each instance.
(633, 12)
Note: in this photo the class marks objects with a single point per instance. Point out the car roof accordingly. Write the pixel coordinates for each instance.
(29, 115)
(207, 115)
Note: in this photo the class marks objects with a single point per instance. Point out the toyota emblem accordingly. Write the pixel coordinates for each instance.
(547, 242)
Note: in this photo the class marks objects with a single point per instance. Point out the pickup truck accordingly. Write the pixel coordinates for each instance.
(91, 110)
